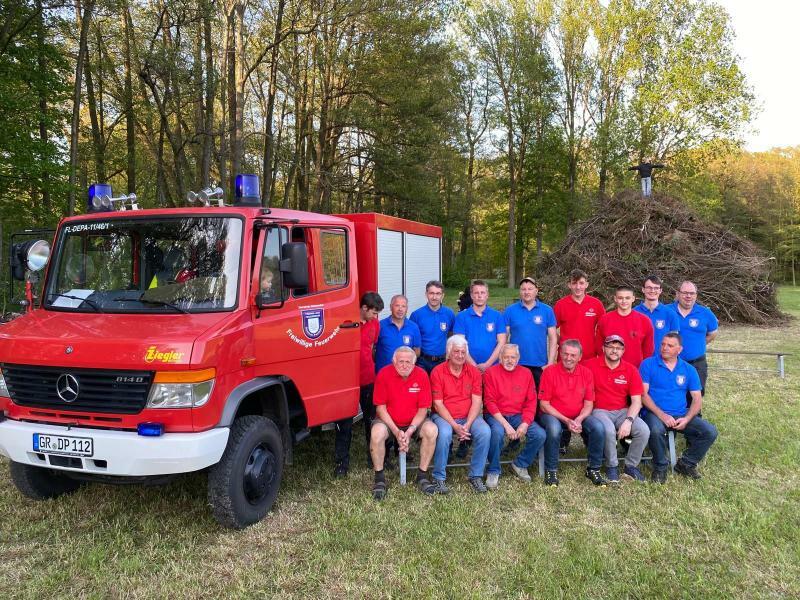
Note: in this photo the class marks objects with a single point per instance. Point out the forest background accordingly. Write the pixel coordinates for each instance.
(503, 121)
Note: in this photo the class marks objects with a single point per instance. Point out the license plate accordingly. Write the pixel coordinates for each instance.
(63, 444)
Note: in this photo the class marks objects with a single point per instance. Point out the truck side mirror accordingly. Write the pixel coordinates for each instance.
(294, 265)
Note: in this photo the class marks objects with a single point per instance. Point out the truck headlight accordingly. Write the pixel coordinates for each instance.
(3, 386)
(181, 389)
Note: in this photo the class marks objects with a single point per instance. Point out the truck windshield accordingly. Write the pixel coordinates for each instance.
(169, 265)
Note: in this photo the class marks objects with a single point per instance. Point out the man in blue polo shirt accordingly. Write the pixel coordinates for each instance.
(396, 331)
(435, 323)
(483, 326)
(698, 328)
(532, 326)
(666, 380)
(663, 318)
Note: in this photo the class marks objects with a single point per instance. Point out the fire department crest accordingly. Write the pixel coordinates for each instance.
(680, 379)
(313, 322)
(694, 322)
(490, 327)
(406, 340)
(443, 326)
(659, 323)
(537, 319)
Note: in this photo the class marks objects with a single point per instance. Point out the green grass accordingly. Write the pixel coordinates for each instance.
(732, 534)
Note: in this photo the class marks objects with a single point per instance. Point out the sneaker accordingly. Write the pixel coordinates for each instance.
(521, 473)
(596, 477)
(690, 471)
(612, 474)
(551, 479)
(440, 487)
(379, 490)
(492, 480)
(634, 473)
(425, 486)
(477, 485)
(659, 476)
(340, 470)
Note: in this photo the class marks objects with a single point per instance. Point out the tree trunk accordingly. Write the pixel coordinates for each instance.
(83, 23)
(266, 189)
(130, 117)
(43, 135)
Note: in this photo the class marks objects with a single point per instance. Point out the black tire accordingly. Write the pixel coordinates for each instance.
(243, 485)
(38, 483)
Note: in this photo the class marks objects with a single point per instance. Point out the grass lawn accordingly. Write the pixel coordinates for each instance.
(732, 534)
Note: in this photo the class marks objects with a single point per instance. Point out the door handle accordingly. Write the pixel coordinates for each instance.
(350, 325)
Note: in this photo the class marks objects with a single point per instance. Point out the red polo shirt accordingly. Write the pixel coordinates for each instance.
(509, 392)
(455, 391)
(578, 322)
(613, 386)
(566, 391)
(402, 397)
(635, 328)
(369, 335)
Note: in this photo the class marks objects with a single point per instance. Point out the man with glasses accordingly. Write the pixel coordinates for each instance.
(698, 327)
(663, 318)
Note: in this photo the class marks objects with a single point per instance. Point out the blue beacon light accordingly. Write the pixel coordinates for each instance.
(97, 193)
(247, 190)
(150, 429)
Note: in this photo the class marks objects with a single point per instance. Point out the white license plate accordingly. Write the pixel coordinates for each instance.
(63, 444)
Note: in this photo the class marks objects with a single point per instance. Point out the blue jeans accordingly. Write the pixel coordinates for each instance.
(534, 440)
(595, 436)
(699, 433)
(481, 434)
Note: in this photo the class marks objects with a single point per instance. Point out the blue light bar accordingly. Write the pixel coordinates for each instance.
(247, 192)
(150, 429)
(96, 192)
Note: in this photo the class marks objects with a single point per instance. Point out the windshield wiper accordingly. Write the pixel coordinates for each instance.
(91, 303)
(160, 303)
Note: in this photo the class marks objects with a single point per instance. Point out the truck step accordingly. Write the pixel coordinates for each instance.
(301, 435)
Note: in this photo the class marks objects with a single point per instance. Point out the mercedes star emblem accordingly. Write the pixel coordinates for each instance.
(67, 387)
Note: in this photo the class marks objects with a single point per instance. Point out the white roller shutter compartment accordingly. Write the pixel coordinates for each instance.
(390, 266)
(423, 263)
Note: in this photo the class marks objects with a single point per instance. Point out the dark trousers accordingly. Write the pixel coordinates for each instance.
(427, 364)
(701, 364)
(699, 433)
(344, 428)
(537, 374)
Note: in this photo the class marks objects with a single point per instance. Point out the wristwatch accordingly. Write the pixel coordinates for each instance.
(629, 419)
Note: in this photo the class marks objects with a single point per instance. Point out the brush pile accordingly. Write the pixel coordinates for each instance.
(631, 237)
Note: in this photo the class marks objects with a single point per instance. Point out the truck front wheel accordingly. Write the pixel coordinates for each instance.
(243, 485)
(39, 483)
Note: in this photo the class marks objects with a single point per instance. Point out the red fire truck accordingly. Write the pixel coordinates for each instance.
(212, 337)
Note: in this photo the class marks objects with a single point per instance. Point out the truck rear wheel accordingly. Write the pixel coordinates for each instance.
(39, 483)
(243, 485)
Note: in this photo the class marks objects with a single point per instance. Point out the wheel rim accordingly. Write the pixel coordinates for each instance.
(259, 473)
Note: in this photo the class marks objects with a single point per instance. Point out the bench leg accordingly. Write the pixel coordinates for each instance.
(541, 464)
(672, 456)
(402, 467)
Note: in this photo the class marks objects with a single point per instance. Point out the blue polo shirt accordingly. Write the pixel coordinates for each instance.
(668, 388)
(529, 331)
(391, 338)
(663, 318)
(434, 326)
(480, 331)
(693, 329)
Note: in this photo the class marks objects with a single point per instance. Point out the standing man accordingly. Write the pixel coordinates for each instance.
(661, 316)
(396, 330)
(578, 313)
(456, 391)
(633, 327)
(614, 382)
(483, 326)
(531, 325)
(566, 400)
(645, 170)
(402, 398)
(698, 328)
(510, 411)
(435, 322)
(667, 380)
(371, 306)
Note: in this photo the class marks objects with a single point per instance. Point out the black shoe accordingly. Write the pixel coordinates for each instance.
(477, 485)
(563, 444)
(659, 476)
(379, 490)
(551, 479)
(426, 486)
(340, 470)
(596, 477)
(690, 471)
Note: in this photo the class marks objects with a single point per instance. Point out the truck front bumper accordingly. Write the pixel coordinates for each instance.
(121, 453)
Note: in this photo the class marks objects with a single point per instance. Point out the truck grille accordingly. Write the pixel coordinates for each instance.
(98, 390)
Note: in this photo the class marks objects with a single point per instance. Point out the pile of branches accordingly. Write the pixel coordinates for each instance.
(631, 237)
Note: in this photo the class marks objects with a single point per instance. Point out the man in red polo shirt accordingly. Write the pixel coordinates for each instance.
(402, 397)
(456, 391)
(615, 381)
(566, 400)
(510, 398)
(633, 327)
(577, 314)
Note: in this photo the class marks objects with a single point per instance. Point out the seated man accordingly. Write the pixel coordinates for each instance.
(616, 380)
(402, 397)
(456, 391)
(566, 399)
(667, 379)
(510, 399)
